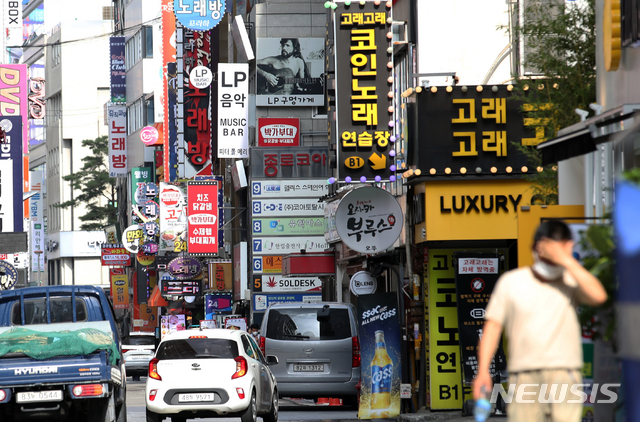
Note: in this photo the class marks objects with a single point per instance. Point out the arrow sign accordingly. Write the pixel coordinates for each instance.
(379, 161)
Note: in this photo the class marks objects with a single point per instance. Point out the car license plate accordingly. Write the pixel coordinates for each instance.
(37, 396)
(196, 397)
(308, 368)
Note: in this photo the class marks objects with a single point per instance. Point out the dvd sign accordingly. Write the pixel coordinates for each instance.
(278, 132)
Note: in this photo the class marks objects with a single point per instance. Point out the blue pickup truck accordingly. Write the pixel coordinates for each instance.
(60, 356)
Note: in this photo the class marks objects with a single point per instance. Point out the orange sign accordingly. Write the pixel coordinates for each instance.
(272, 264)
(119, 288)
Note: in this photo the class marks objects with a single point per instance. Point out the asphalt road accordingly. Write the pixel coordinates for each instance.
(290, 410)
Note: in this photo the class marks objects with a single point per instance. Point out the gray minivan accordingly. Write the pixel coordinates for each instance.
(317, 348)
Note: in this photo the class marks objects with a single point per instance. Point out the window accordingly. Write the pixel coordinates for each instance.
(303, 324)
(139, 47)
(56, 52)
(60, 309)
(149, 112)
(139, 341)
(107, 13)
(135, 116)
(190, 348)
(54, 108)
(248, 349)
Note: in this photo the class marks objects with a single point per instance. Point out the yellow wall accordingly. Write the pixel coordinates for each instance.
(528, 222)
(472, 222)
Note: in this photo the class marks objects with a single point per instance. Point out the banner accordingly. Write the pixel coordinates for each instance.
(14, 93)
(233, 110)
(168, 48)
(118, 71)
(202, 236)
(217, 304)
(476, 276)
(11, 204)
(173, 217)
(117, 118)
(290, 72)
(288, 226)
(115, 254)
(262, 301)
(171, 134)
(381, 374)
(119, 288)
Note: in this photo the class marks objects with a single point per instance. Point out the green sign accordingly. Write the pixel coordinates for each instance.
(140, 176)
(288, 226)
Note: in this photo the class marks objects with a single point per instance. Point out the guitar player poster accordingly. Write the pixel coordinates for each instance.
(290, 72)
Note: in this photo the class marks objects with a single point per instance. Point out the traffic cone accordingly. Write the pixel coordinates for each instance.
(335, 402)
(322, 400)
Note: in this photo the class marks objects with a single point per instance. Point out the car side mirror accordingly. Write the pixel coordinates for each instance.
(272, 360)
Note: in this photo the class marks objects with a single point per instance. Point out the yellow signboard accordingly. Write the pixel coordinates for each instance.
(445, 376)
(474, 210)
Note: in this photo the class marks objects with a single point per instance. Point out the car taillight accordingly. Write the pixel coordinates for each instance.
(3, 395)
(262, 346)
(152, 395)
(153, 369)
(241, 367)
(355, 352)
(88, 390)
(125, 351)
(198, 337)
(240, 392)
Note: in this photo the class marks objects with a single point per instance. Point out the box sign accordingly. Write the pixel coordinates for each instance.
(471, 129)
(288, 226)
(119, 288)
(11, 172)
(14, 90)
(288, 163)
(290, 72)
(301, 264)
(303, 207)
(278, 132)
(262, 301)
(233, 110)
(181, 287)
(115, 255)
(199, 15)
(369, 219)
(278, 283)
(475, 210)
(269, 264)
(364, 123)
(287, 245)
(117, 120)
(220, 275)
(203, 218)
(289, 188)
(118, 70)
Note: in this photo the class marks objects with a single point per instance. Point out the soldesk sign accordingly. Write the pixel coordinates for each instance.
(276, 283)
(363, 118)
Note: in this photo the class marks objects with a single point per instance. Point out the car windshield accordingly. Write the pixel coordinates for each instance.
(303, 324)
(192, 348)
(60, 308)
(139, 341)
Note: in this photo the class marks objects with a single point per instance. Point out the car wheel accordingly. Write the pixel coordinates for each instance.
(103, 410)
(251, 414)
(122, 415)
(152, 416)
(272, 416)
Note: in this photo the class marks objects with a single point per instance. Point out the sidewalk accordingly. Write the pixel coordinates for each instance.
(427, 415)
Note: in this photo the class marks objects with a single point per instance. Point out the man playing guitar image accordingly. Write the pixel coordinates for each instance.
(284, 73)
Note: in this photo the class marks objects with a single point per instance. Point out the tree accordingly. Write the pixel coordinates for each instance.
(559, 45)
(96, 186)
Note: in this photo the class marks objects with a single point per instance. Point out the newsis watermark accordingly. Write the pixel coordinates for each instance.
(556, 393)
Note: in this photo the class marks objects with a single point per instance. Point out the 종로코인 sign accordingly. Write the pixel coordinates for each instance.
(368, 219)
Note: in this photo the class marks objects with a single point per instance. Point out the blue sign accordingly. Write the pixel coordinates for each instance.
(118, 71)
(199, 15)
(262, 301)
(217, 304)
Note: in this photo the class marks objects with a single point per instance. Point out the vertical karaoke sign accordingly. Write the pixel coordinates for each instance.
(379, 322)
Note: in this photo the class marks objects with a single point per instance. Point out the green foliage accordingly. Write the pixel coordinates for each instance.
(598, 239)
(559, 40)
(95, 185)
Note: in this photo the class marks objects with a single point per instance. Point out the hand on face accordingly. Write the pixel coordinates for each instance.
(554, 251)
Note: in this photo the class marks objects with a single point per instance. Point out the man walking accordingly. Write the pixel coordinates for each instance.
(536, 308)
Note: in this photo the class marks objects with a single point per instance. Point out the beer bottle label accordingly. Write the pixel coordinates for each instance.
(381, 379)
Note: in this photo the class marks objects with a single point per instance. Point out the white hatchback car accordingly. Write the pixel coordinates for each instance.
(210, 373)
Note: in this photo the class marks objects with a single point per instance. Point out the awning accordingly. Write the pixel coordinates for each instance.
(582, 138)
(156, 299)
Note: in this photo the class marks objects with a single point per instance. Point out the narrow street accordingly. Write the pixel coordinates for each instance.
(290, 410)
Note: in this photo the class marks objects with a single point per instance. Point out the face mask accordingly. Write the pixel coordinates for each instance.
(545, 270)
(255, 334)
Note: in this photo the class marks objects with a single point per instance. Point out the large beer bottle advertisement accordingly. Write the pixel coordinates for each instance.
(379, 321)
